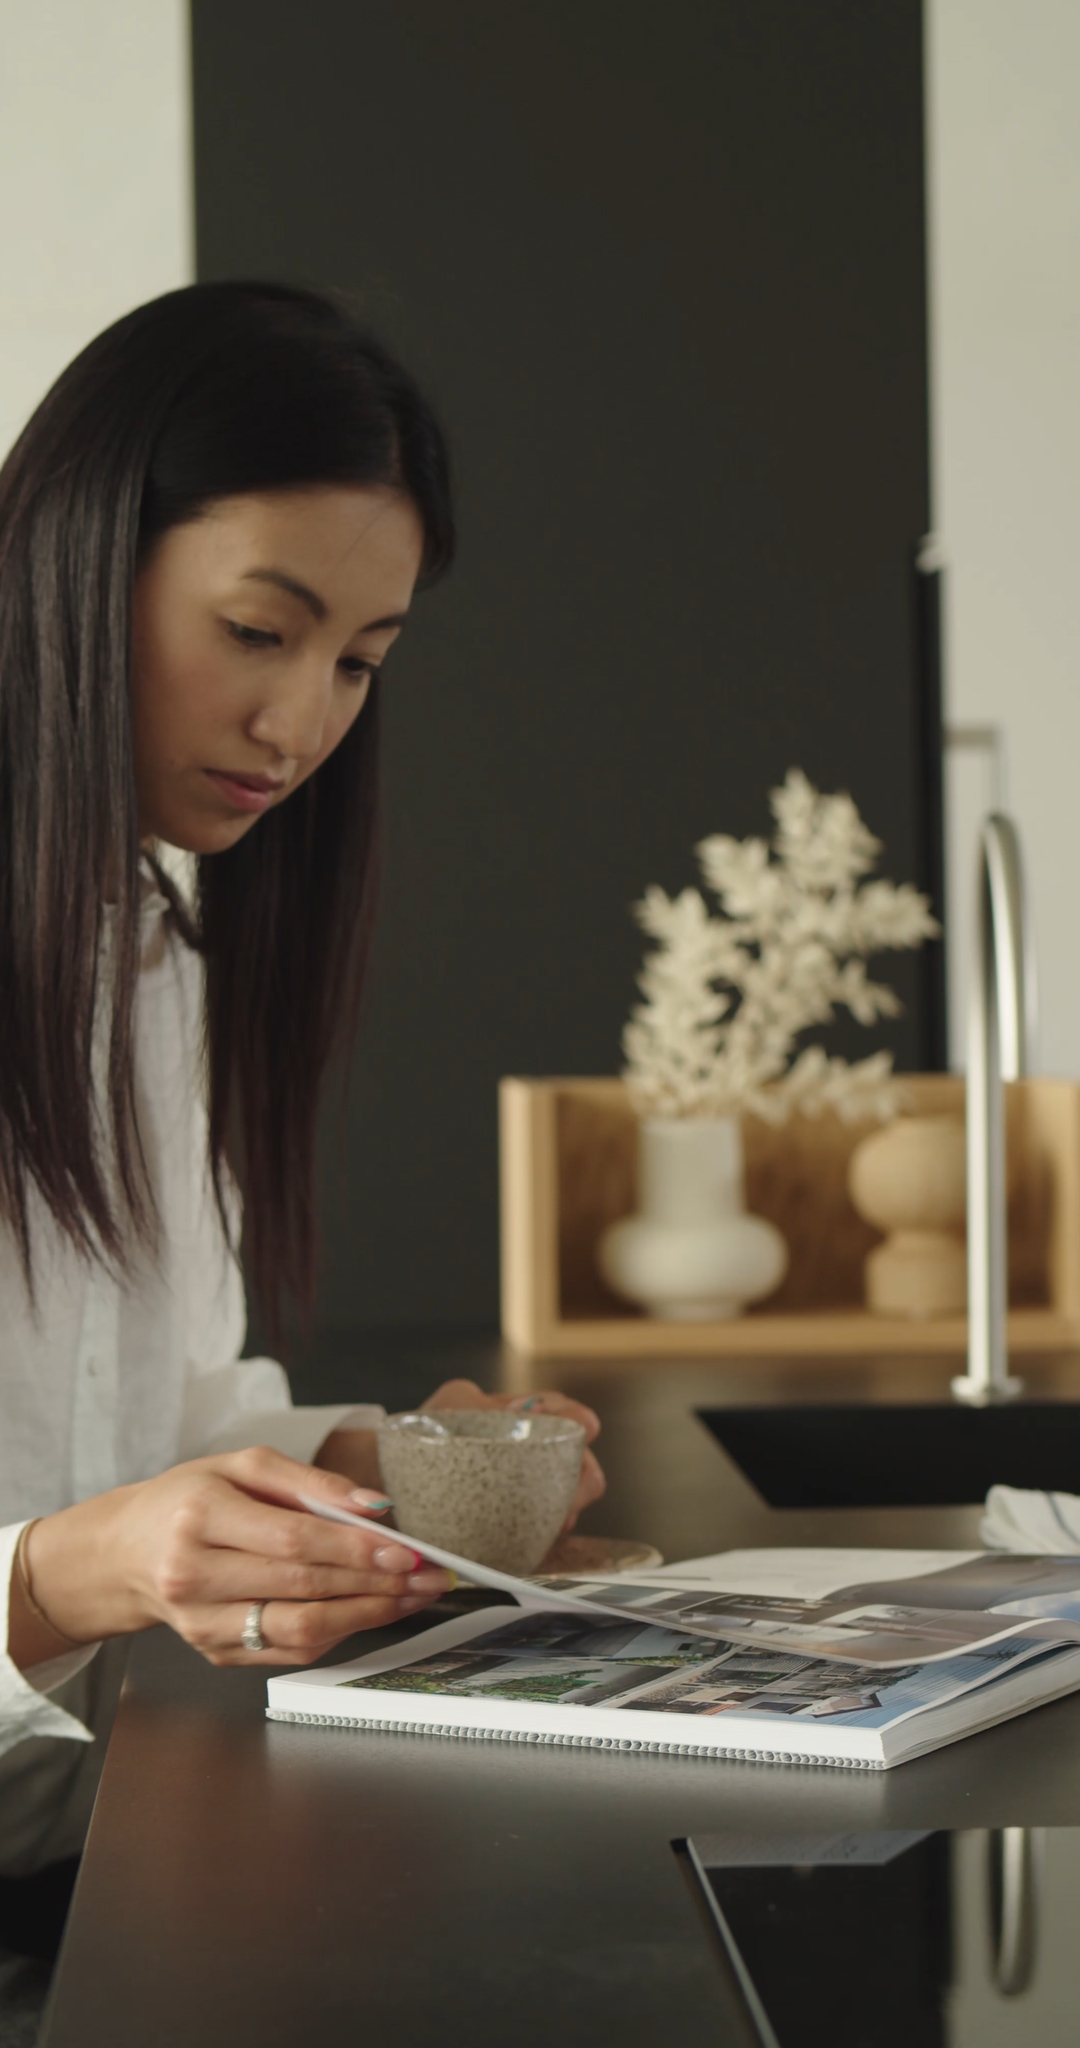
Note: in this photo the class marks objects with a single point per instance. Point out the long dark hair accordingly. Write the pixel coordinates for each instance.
(210, 392)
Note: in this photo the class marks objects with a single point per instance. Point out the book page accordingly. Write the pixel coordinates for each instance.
(933, 1610)
(976, 1599)
(805, 1574)
(549, 1659)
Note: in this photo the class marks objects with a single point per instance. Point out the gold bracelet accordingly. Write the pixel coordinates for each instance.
(23, 1576)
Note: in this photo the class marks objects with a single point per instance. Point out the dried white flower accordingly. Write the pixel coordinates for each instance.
(725, 997)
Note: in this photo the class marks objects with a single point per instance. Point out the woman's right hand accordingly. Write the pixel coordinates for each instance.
(198, 1546)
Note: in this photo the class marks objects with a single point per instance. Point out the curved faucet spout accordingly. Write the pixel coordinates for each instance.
(1000, 1031)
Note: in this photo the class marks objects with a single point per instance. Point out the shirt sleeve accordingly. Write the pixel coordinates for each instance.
(25, 1706)
(238, 1405)
(231, 1402)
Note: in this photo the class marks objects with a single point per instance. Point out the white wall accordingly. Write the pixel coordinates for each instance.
(1004, 167)
(95, 207)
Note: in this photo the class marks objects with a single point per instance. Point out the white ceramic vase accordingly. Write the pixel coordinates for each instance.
(692, 1254)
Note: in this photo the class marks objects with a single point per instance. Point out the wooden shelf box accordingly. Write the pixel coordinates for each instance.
(568, 1162)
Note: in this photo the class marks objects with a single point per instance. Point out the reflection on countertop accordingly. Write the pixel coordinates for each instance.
(899, 1940)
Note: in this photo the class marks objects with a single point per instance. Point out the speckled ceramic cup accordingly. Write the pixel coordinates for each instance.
(492, 1485)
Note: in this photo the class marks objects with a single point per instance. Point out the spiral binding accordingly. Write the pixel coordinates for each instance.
(468, 1734)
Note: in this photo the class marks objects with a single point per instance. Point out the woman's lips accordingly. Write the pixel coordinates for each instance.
(245, 794)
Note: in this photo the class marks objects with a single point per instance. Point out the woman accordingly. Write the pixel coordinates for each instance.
(210, 535)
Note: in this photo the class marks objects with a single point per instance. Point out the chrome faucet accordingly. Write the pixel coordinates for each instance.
(1001, 1028)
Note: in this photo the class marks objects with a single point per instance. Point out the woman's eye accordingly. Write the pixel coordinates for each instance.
(252, 636)
(357, 669)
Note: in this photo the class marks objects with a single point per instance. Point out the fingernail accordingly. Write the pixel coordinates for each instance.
(431, 1584)
(376, 1503)
(411, 1604)
(526, 1401)
(397, 1559)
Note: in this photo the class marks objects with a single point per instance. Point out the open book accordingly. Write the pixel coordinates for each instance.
(858, 1658)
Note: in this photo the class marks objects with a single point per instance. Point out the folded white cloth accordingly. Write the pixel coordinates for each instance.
(1039, 1524)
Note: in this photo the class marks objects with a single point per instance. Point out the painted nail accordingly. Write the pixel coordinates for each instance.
(375, 1503)
(428, 1585)
(526, 1401)
(397, 1560)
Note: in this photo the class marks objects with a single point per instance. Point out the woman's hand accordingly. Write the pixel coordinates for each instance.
(466, 1394)
(199, 1545)
(356, 1451)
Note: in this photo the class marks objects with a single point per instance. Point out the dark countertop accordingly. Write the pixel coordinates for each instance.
(249, 1882)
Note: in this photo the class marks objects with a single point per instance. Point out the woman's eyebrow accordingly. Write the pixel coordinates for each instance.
(316, 605)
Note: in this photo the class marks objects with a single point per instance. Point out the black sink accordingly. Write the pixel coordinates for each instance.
(870, 1456)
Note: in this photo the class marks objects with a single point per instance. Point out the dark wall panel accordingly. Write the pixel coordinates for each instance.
(663, 270)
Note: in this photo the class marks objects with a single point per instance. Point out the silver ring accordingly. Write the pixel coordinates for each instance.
(252, 1638)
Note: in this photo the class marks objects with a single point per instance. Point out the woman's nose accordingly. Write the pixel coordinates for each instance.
(293, 721)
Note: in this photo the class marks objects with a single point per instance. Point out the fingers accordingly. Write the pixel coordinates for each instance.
(296, 1632)
(271, 1476)
(226, 1575)
(221, 1543)
(557, 1404)
(466, 1394)
(458, 1394)
(591, 1484)
(215, 1513)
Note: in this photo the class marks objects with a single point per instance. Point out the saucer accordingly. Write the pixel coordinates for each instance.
(597, 1556)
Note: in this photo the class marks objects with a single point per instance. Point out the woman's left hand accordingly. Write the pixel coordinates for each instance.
(355, 1451)
(466, 1394)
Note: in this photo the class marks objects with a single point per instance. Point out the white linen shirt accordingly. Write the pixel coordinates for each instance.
(103, 1382)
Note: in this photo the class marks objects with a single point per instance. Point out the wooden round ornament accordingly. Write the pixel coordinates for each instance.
(909, 1180)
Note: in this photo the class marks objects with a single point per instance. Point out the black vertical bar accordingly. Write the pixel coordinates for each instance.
(930, 799)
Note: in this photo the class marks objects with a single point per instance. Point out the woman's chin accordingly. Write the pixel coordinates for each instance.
(203, 835)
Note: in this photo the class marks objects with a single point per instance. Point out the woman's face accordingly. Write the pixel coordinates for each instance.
(257, 629)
